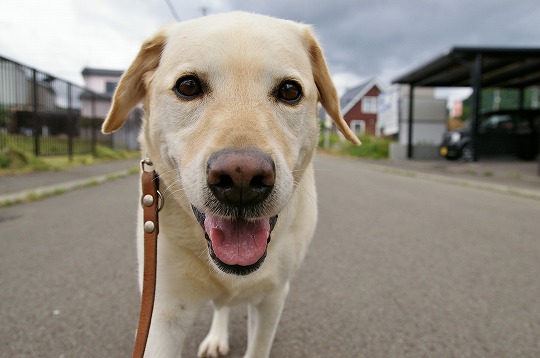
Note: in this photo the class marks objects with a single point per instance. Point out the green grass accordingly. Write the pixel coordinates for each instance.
(515, 176)
(371, 148)
(55, 145)
(17, 160)
(13, 159)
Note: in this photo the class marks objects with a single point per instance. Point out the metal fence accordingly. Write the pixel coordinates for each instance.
(45, 115)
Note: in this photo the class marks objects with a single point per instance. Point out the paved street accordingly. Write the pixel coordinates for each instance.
(400, 266)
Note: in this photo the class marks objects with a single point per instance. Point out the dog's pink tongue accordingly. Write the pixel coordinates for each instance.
(237, 242)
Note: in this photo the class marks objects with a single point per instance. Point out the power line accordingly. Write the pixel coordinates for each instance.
(173, 11)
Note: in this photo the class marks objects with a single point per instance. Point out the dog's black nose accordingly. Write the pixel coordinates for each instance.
(240, 177)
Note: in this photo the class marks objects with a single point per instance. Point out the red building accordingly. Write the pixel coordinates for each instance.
(359, 107)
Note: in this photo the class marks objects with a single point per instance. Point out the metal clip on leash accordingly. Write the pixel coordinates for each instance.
(152, 201)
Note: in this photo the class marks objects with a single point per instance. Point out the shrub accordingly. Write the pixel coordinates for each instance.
(103, 152)
(16, 158)
(372, 147)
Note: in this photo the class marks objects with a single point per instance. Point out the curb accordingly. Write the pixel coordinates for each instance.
(464, 182)
(43, 192)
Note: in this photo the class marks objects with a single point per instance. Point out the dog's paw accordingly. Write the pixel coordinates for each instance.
(213, 346)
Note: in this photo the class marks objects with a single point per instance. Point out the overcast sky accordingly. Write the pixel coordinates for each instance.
(362, 39)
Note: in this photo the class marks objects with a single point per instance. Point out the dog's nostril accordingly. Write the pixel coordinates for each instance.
(224, 182)
(260, 182)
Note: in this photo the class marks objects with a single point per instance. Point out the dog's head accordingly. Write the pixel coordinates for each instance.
(230, 122)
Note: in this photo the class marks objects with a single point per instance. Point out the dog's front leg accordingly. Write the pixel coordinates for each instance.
(168, 331)
(263, 319)
(216, 343)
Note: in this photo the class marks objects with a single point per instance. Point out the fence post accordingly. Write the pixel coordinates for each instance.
(93, 123)
(71, 125)
(35, 103)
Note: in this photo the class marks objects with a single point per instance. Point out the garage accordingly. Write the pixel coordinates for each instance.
(477, 68)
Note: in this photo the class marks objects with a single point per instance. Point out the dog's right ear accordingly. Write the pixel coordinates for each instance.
(132, 87)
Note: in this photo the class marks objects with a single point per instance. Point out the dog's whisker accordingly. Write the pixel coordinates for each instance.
(298, 186)
(167, 188)
(162, 174)
(314, 169)
(174, 192)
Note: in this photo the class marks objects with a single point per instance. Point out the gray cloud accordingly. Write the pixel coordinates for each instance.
(362, 39)
(385, 38)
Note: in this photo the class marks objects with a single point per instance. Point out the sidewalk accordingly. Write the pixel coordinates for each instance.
(503, 176)
(17, 188)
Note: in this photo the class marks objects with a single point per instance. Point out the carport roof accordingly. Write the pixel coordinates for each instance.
(501, 67)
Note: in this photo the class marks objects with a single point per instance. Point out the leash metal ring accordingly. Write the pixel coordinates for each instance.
(161, 201)
(144, 162)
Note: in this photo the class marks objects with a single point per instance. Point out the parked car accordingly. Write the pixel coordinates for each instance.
(503, 132)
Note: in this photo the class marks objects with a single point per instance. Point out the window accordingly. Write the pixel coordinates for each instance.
(369, 104)
(358, 126)
(110, 87)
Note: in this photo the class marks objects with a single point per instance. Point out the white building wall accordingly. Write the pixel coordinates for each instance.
(98, 83)
(429, 116)
(101, 108)
(15, 88)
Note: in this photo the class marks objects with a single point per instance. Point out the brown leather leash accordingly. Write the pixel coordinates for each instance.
(152, 202)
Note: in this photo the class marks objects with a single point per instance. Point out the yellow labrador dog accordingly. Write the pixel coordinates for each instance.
(231, 126)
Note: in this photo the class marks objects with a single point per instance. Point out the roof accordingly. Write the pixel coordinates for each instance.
(101, 72)
(355, 94)
(501, 67)
(90, 95)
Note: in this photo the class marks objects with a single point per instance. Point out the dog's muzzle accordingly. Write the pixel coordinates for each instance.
(237, 231)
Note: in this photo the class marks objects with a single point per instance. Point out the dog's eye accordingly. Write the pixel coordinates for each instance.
(188, 87)
(289, 92)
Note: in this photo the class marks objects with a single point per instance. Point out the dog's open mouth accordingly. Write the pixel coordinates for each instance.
(236, 245)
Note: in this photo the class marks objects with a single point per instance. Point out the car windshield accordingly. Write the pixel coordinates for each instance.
(497, 122)
(504, 122)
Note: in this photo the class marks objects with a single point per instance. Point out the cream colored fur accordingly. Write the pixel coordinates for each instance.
(241, 58)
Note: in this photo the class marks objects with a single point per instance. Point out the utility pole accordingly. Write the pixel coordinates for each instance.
(172, 10)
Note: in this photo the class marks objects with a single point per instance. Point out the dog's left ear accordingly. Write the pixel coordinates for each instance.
(132, 86)
(327, 91)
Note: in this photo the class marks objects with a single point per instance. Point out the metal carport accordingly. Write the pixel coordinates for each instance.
(475, 67)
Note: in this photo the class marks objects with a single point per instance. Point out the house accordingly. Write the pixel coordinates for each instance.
(17, 90)
(99, 81)
(104, 82)
(359, 107)
(34, 103)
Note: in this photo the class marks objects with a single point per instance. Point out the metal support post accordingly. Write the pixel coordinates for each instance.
(36, 127)
(71, 124)
(410, 129)
(476, 82)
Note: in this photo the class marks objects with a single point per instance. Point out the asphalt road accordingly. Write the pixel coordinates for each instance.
(399, 267)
